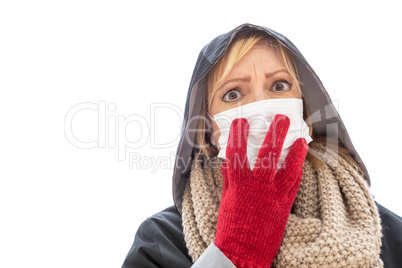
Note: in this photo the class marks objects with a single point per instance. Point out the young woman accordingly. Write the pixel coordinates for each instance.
(266, 174)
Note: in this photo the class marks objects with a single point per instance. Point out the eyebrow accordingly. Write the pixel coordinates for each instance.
(247, 78)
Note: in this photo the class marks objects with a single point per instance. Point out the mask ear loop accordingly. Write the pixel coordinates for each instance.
(212, 139)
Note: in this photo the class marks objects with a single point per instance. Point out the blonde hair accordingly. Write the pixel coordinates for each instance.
(218, 73)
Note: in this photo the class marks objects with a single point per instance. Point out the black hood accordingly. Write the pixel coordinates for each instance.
(326, 120)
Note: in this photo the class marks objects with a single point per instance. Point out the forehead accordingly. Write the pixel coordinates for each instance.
(260, 55)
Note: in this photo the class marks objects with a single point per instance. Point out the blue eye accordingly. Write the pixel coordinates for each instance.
(281, 86)
(232, 95)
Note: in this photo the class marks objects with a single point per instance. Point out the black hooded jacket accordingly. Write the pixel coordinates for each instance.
(159, 241)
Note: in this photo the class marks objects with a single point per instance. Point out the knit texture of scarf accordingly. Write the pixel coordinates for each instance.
(334, 221)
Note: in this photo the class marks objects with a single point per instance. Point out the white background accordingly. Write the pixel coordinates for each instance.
(63, 206)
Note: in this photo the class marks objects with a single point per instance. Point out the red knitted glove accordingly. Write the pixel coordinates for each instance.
(255, 205)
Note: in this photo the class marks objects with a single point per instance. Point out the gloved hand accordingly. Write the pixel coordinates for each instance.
(256, 204)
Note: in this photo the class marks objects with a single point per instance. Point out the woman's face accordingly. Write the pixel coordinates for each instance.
(259, 75)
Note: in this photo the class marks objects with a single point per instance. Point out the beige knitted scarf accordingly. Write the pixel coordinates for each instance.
(334, 221)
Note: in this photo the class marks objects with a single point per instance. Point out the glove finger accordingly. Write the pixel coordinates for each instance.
(295, 188)
(268, 155)
(236, 151)
(225, 185)
(290, 169)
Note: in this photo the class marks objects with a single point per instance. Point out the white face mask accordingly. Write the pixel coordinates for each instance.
(259, 116)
